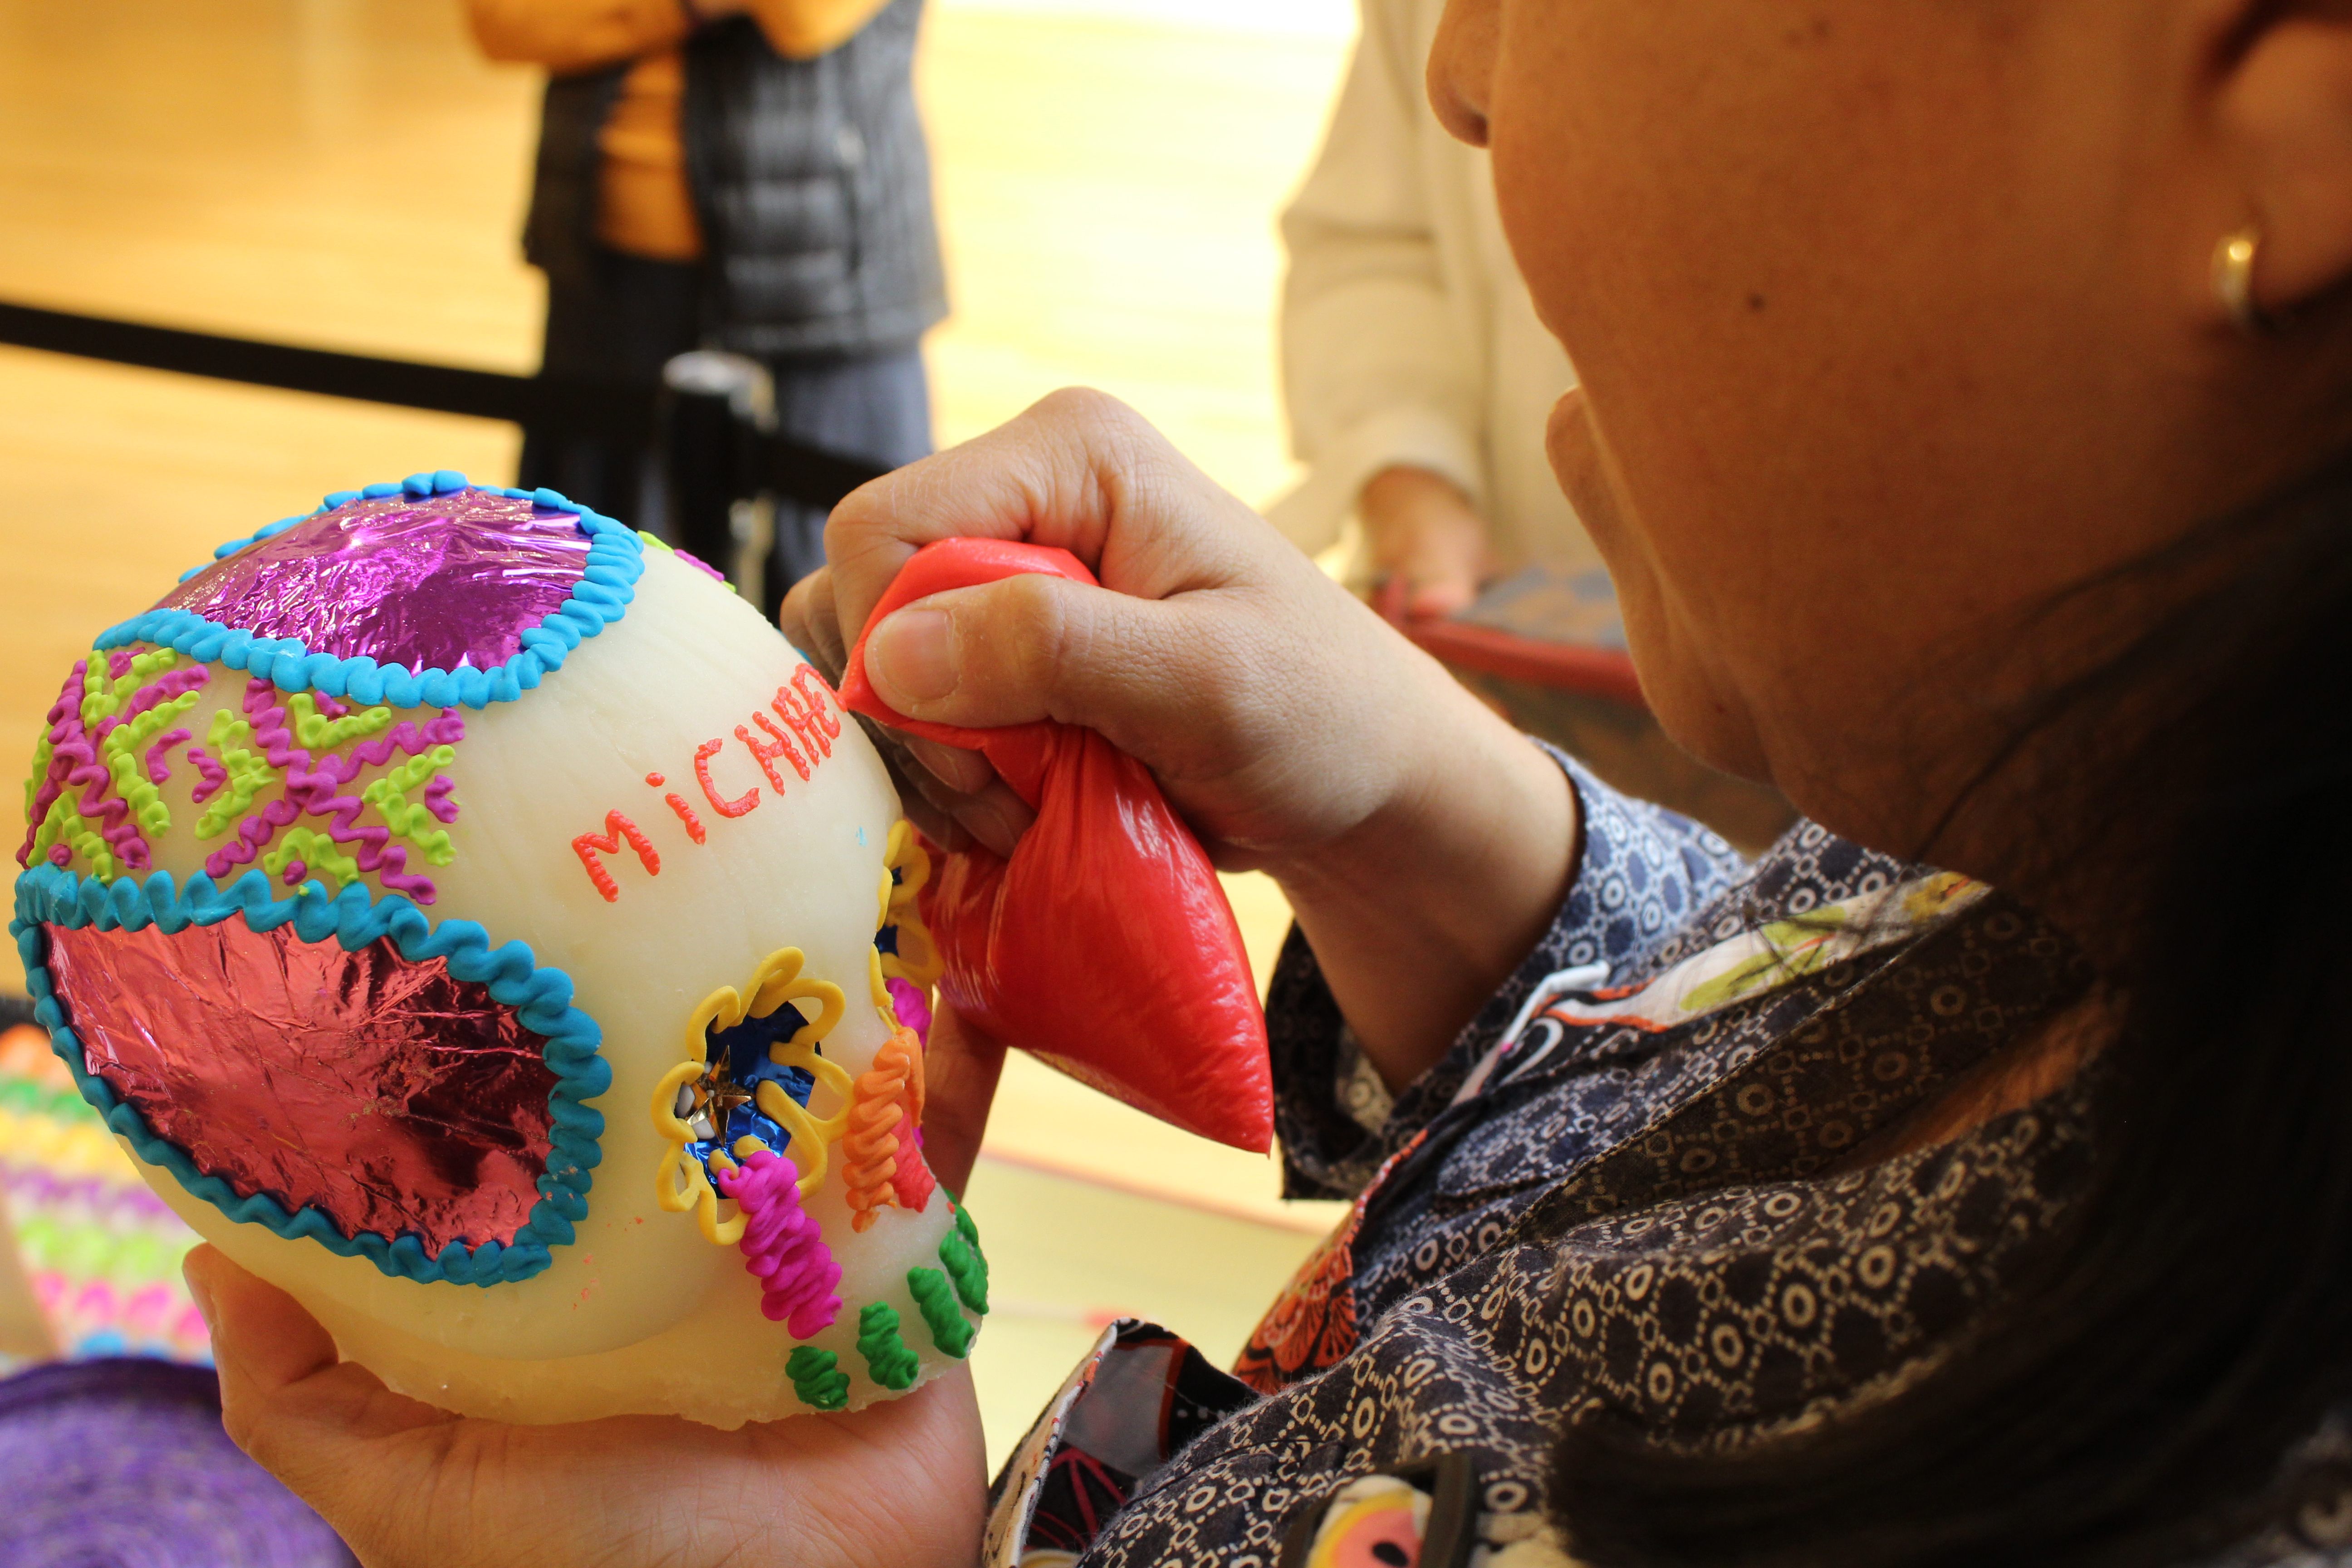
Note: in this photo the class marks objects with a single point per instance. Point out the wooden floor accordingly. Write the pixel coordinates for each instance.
(346, 173)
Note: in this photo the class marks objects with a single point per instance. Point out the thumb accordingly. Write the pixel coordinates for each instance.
(1034, 647)
(262, 1338)
(286, 1398)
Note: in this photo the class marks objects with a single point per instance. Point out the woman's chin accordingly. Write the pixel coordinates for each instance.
(1698, 712)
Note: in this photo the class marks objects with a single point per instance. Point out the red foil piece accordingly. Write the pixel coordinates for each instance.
(433, 583)
(382, 1091)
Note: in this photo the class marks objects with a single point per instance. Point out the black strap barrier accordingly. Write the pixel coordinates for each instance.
(635, 414)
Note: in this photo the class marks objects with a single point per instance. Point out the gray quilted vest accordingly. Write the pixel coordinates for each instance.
(810, 178)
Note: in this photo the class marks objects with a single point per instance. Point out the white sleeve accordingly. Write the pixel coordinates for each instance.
(1378, 362)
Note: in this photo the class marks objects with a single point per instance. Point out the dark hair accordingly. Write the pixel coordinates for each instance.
(2135, 1398)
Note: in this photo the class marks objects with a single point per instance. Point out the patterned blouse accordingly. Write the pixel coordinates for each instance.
(1624, 1186)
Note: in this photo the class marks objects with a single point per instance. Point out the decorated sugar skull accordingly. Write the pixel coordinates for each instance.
(480, 923)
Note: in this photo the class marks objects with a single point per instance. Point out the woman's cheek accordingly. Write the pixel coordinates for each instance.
(1573, 447)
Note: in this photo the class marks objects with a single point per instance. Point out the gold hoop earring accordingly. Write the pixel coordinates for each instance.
(2234, 280)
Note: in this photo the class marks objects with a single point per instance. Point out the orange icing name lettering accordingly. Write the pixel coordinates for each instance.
(616, 828)
(743, 805)
(816, 694)
(767, 755)
(804, 704)
(686, 815)
(684, 812)
(805, 713)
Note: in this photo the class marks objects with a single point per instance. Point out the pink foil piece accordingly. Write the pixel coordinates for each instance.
(438, 584)
(382, 1091)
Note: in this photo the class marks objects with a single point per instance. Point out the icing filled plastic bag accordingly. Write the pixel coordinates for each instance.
(1104, 945)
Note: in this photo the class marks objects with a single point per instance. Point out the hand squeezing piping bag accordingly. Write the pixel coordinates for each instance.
(1104, 945)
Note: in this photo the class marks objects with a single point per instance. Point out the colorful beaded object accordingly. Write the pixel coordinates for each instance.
(100, 1253)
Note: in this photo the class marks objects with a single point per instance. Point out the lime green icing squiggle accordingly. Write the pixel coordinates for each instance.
(412, 821)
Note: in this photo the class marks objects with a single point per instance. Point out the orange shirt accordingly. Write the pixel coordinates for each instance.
(643, 205)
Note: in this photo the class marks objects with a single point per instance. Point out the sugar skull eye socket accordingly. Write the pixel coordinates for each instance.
(179, 1008)
(753, 1063)
(721, 1107)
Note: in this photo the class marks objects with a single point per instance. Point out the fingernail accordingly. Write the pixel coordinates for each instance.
(998, 822)
(958, 769)
(908, 659)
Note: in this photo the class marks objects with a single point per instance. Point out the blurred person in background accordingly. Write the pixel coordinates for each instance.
(1416, 374)
(1418, 378)
(740, 174)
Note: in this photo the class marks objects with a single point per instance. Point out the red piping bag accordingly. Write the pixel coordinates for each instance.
(1104, 945)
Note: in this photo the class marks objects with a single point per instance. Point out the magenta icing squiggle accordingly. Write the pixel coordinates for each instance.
(53, 781)
(910, 1007)
(784, 1245)
(158, 769)
(254, 834)
(162, 688)
(122, 827)
(88, 772)
(311, 787)
(73, 763)
(214, 776)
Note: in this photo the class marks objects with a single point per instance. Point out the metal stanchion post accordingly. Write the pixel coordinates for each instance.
(718, 408)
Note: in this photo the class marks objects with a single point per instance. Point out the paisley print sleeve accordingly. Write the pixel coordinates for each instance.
(1645, 872)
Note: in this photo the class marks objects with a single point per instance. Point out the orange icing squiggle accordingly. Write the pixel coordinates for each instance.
(886, 1097)
(911, 1181)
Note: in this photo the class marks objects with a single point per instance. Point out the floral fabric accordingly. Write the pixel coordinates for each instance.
(1628, 1184)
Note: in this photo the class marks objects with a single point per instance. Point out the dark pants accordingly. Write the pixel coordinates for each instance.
(635, 316)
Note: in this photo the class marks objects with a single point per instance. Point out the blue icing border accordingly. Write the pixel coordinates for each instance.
(606, 586)
(47, 895)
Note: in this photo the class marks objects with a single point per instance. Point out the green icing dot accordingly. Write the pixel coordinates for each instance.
(966, 1266)
(963, 1223)
(816, 1379)
(936, 1299)
(887, 1359)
